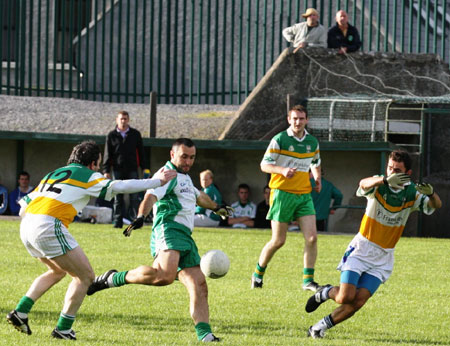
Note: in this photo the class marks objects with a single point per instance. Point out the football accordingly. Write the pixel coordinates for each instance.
(215, 264)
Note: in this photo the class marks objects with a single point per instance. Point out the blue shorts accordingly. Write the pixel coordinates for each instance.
(367, 281)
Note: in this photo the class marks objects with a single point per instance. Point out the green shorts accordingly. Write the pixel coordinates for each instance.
(165, 237)
(287, 207)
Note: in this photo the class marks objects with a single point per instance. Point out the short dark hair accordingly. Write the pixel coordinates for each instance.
(123, 113)
(183, 141)
(401, 156)
(84, 153)
(243, 186)
(23, 173)
(298, 108)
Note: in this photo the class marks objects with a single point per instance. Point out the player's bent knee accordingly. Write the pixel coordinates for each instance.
(346, 298)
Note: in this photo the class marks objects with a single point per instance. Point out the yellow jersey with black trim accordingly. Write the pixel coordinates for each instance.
(286, 150)
(66, 191)
(388, 210)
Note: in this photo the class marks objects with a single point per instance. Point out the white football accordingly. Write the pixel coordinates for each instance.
(215, 264)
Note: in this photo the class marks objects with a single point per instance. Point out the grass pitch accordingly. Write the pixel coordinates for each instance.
(412, 308)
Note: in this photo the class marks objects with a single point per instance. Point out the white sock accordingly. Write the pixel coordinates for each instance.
(324, 294)
(110, 281)
(208, 337)
(324, 324)
(22, 315)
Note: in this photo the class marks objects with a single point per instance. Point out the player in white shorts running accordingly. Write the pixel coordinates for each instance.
(369, 258)
(47, 213)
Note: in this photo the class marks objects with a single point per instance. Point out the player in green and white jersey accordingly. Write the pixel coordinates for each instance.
(172, 246)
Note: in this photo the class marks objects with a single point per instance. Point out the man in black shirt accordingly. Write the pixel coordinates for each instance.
(124, 153)
(343, 36)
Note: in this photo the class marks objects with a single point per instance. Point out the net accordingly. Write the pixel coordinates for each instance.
(334, 119)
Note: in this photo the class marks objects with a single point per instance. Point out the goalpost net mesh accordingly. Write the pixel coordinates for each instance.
(345, 119)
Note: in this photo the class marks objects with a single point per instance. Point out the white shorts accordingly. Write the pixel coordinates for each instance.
(201, 220)
(45, 236)
(363, 256)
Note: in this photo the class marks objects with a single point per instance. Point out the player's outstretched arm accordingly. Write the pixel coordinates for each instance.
(165, 175)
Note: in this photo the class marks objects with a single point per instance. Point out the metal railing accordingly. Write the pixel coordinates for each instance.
(188, 51)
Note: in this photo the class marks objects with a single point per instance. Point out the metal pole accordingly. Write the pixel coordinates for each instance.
(153, 103)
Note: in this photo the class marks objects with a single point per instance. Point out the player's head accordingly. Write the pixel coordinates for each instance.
(243, 193)
(206, 178)
(182, 154)
(399, 162)
(122, 120)
(86, 153)
(298, 119)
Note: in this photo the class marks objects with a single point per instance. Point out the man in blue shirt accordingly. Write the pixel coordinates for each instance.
(22, 190)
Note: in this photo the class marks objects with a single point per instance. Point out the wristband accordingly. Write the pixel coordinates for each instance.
(429, 196)
(385, 182)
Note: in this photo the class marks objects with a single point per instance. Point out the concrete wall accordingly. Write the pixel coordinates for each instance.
(318, 72)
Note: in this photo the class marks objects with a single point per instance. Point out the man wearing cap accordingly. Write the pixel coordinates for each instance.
(307, 34)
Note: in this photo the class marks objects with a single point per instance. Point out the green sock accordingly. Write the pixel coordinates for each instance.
(202, 329)
(308, 275)
(25, 305)
(118, 279)
(65, 322)
(259, 271)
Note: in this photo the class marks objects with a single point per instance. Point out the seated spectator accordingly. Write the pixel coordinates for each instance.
(343, 36)
(3, 199)
(322, 201)
(22, 190)
(262, 209)
(307, 34)
(205, 217)
(244, 210)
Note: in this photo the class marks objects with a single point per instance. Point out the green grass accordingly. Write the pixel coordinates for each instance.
(412, 308)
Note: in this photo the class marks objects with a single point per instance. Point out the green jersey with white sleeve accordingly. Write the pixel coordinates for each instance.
(176, 203)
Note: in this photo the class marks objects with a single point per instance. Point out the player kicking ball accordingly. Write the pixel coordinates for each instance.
(47, 212)
(172, 246)
(369, 258)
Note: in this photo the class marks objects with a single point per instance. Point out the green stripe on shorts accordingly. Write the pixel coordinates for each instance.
(61, 238)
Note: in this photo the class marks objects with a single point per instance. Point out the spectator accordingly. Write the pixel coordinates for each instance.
(322, 201)
(244, 210)
(3, 199)
(307, 34)
(124, 153)
(205, 217)
(343, 36)
(22, 190)
(262, 209)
